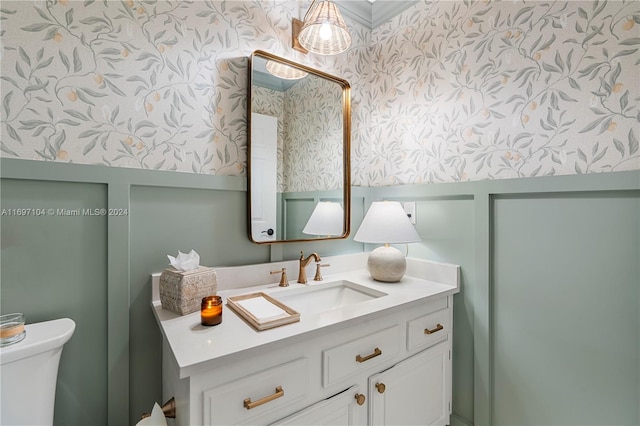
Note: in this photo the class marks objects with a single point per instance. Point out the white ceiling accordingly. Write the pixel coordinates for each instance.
(372, 13)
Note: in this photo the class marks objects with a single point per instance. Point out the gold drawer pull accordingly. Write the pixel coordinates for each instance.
(360, 398)
(381, 387)
(375, 353)
(249, 405)
(438, 328)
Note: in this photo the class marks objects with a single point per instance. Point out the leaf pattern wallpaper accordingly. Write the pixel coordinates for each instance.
(143, 84)
(471, 90)
(313, 136)
(309, 113)
(446, 91)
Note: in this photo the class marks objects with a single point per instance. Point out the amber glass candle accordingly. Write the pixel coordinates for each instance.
(211, 310)
(11, 329)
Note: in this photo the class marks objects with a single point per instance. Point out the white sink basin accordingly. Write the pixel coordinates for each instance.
(326, 296)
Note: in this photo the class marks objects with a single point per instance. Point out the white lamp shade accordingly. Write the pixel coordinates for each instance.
(386, 223)
(327, 219)
(324, 31)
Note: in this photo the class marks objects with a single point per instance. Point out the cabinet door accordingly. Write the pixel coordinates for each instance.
(339, 410)
(415, 391)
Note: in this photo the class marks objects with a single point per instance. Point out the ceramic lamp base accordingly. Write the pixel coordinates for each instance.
(387, 264)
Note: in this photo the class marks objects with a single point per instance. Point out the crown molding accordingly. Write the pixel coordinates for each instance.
(373, 14)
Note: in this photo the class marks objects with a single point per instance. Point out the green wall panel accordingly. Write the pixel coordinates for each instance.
(446, 227)
(565, 309)
(54, 266)
(296, 213)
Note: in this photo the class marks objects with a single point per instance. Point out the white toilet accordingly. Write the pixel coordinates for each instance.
(28, 373)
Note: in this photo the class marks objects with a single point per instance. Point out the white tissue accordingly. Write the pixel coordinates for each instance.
(157, 418)
(263, 309)
(185, 262)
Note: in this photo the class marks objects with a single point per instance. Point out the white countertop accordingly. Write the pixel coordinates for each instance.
(196, 347)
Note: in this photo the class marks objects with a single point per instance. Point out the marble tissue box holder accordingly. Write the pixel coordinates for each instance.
(182, 291)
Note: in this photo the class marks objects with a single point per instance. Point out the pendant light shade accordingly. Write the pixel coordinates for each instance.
(284, 71)
(324, 31)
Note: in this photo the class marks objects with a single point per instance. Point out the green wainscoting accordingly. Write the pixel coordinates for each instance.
(446, 226)
(565, 317)
(547, 327)
(54, 265)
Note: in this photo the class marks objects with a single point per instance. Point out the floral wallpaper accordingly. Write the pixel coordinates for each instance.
(313, 136)
(145, 84)
(445, 91)
(310, 133)
(470, 90)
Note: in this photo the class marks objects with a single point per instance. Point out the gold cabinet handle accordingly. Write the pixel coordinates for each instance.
(381, 387)
(376, 352)
(438, 328)
(360, 398)
(249, 405)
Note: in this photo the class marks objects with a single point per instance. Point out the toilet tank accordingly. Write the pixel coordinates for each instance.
(28, 373)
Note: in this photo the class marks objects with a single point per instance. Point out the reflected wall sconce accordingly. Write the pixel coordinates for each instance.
(322, 30)
(327, 220)
(386, 223)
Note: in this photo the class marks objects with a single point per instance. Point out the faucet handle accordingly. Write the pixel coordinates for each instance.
(318, 276)
(284, 282)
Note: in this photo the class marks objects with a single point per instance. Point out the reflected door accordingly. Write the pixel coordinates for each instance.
(264, 151)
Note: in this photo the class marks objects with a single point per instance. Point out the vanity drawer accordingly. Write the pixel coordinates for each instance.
(428, 330)
(357, 355)
(268, 391)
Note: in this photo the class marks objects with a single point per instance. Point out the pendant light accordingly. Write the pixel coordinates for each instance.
(323, 30)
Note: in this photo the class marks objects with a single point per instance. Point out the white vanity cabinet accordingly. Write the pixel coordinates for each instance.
(415, 391)
(388, 364)
(403, 389)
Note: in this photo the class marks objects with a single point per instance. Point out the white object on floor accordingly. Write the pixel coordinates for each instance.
(157, 418)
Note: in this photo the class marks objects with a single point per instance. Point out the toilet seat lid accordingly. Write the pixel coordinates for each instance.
(41, 337)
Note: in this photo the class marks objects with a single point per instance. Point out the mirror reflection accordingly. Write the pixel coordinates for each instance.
(299, 126)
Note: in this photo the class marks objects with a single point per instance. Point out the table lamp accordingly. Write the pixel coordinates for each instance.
(386, 223)
(326, 219)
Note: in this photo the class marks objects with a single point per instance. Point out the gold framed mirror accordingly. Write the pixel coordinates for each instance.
(298, 174)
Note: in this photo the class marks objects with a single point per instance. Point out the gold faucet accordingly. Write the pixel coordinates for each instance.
(302, 273)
